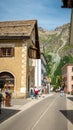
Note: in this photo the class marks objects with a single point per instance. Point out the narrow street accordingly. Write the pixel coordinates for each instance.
(49, 114)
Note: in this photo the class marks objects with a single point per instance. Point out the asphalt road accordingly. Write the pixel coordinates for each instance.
(49, 114)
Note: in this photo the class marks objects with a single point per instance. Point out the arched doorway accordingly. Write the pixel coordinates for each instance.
(6, 80)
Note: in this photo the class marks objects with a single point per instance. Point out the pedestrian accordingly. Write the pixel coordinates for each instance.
(8, 97)
(31, 92)
(1, 99)
(39, 92)
(43, 92)
(36, 92)
(61, 91)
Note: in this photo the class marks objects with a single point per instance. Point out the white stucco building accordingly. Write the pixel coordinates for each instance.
(40, 71)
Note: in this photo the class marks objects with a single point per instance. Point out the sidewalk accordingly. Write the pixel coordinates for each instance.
(18, 105)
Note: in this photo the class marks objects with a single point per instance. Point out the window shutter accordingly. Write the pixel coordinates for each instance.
(0, 52)
(12, 51)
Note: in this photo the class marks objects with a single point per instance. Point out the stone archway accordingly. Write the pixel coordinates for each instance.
(7, 80)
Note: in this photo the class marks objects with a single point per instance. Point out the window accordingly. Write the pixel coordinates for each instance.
(72, 77)
(72, 86)
(72, 69)
(32, 52)
(6, 51)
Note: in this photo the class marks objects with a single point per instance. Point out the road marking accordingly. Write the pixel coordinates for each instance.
(44, 113)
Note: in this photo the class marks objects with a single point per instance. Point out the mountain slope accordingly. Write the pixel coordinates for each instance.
(55, 44)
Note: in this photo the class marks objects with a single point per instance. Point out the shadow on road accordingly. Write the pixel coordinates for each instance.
(70, 98)
(6, 113)
(68, 114)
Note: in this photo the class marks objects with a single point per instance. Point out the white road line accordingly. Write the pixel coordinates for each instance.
(44, 113)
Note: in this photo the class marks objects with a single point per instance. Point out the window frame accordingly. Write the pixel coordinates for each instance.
(71, 77)
(4, 51)
(72, 69)
(72, 86)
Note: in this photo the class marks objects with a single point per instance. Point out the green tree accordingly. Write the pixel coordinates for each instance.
(58, 81)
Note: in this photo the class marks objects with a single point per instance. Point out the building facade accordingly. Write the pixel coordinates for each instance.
(19, 46)
(67, 77)
(43, 69)
(40, 71)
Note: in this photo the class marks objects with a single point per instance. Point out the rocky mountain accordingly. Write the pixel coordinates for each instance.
(56, 40)
(55, 44)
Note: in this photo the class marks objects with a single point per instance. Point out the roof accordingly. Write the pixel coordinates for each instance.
(16, 28)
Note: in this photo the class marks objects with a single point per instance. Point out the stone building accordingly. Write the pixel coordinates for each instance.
(19, 46)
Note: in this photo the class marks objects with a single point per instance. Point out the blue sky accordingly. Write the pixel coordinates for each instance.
(48, 13)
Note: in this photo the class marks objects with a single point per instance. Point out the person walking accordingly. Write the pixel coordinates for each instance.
(61, 91)
(36, 92)
(32, 92)
(8, 97)
(1, 99)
